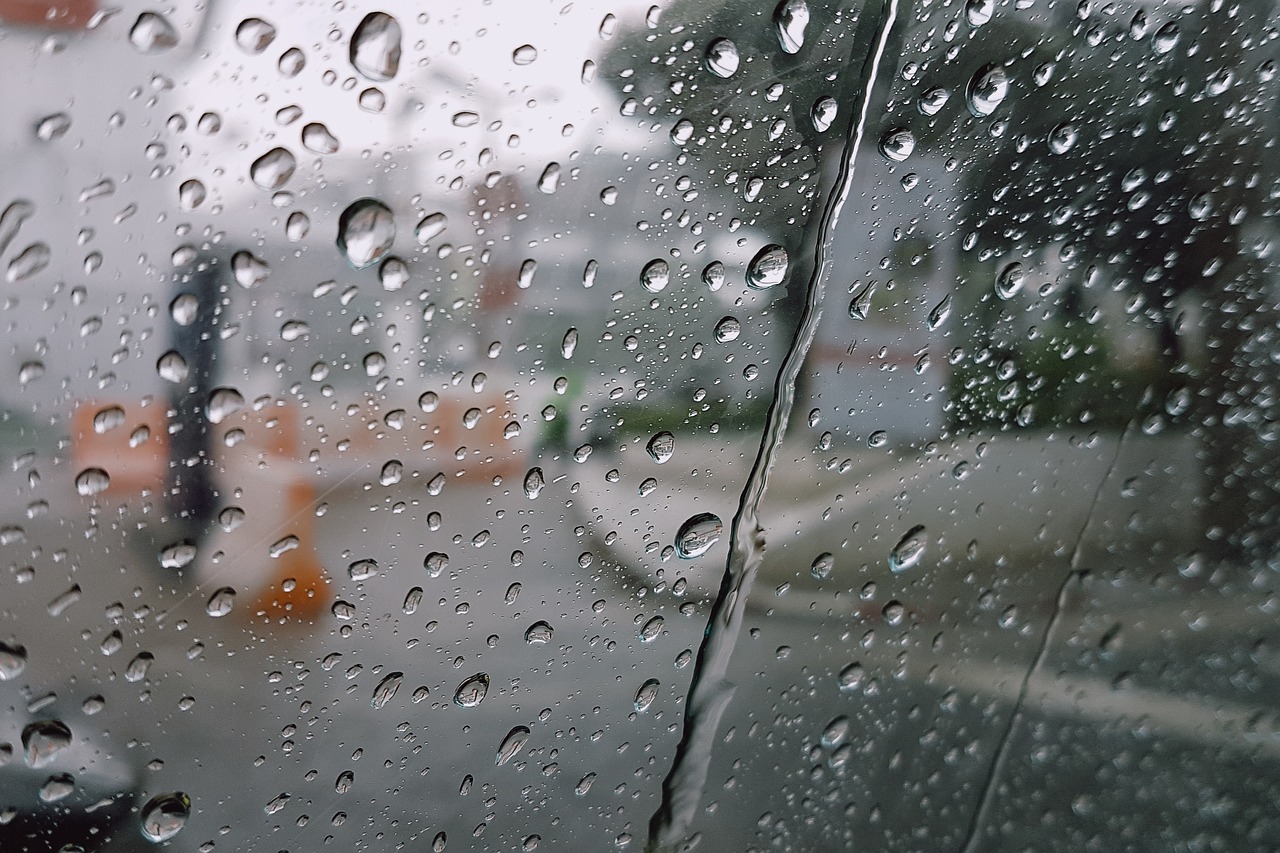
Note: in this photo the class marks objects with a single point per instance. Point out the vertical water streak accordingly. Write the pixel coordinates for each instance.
(1074, 575)
(709, 691)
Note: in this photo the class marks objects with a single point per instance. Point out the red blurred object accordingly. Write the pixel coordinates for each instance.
(63, 15)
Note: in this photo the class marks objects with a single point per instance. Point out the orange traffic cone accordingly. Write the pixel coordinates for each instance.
(297, 588)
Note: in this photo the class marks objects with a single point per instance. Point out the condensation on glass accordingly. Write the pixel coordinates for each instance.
(731, 426)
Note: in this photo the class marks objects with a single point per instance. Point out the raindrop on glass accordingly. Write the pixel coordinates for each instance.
(655, 276)
(366, 231)
(362, 570)
(979, 12)
(728, 329)
(722, 58)
(909, 550)
(375, 46)
(661, 447)
(791, 18)
(223, 403)
(92, 481)
(386, 689)
(822, 565)
(511, 745)
(249, 271)
(43, 740)
(470, 693)
(273, 170)
(697, 535)
(768, 268)
(987, 90)
(860, 305)
(431, 226)
(221, 602)
(533, 483)
(255, 35)
(538, 633)
(645, 695)
(897, 144)
(316, 137)
(1010, 280)
(823, 113)
(152, 33)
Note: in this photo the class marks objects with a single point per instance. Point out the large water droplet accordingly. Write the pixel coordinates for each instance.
(823, 113)
(512, 744)
(375, 46)
(722, 58)
(697, 535)
(651, 630)
(791, 18)
(139, 667)
(152, 33)
(549, 180)
(713, 275)
(538, 634)
(316, 137)
(909, 550)
(366, 231)
(13, 660)
(432, 225)
(92, 481)
(682, 132)
(30, 261)
(728, 329)
(533, 483)
(221, 602)
(1063, 138)
(249, 271)
(822, 565)
(386, 689)
(769, 267)
(987, 90)
(645, 695)
(932, 101)
(1010, 280)
(291, 62)
(897, 144)
(940, 313)
(112, 417)
(57, 787)
(273, 170)
(851, 677)
(470, 693)
(860, 305)
(223, 403)
(979, 12)
(661, 447)
(362, 570)
(525, 54)
(191, 194)
(178, 556)
(392, 472)
(255, 35)
(1165, 39)
(43, 740)
(164, 816)
(656, 275)
(53, 126)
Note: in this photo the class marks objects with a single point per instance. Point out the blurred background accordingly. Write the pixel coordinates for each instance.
(731, 426)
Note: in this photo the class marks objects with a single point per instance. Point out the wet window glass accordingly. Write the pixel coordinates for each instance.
(732, 426)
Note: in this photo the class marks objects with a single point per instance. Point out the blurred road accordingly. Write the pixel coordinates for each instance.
(868, 705)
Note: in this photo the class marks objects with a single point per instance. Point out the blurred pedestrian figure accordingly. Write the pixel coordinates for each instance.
(192, 366)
